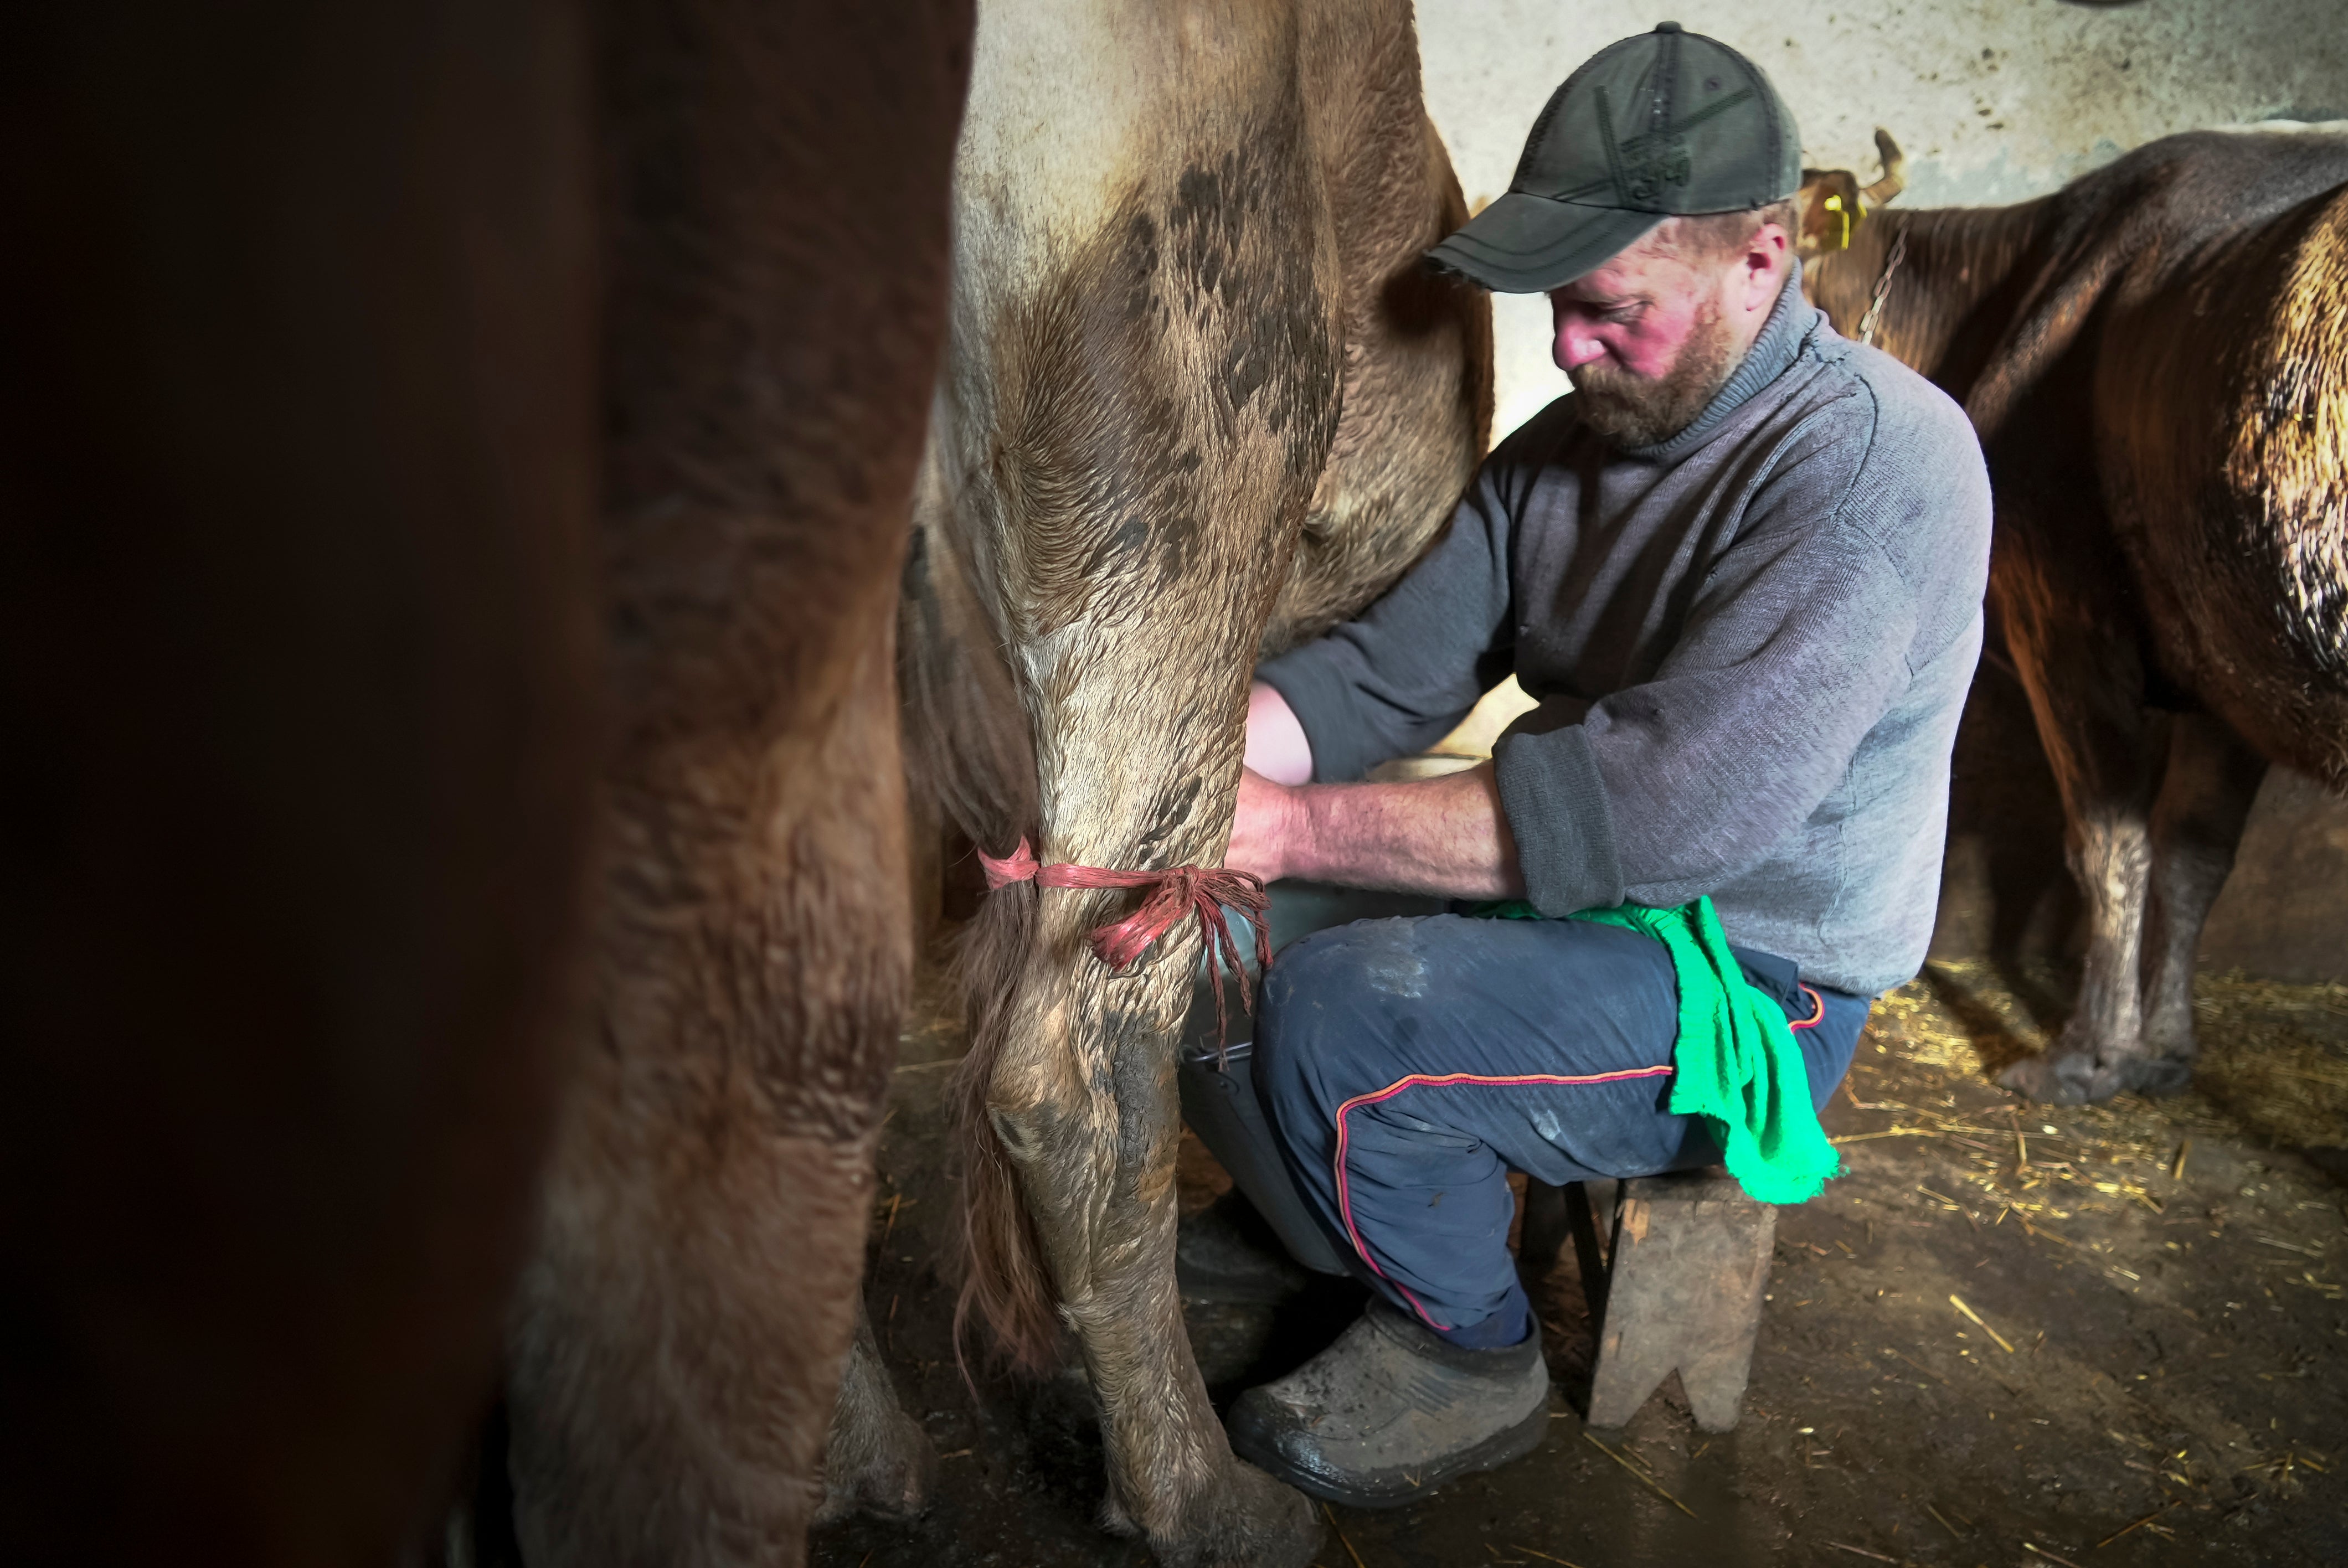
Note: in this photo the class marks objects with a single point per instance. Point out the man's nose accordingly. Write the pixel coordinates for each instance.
(1577, 346)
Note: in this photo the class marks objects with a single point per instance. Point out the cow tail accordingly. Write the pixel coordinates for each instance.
(970, 759)
(1005, 1278)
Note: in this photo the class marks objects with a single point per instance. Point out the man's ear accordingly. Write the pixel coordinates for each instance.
(1767, 257)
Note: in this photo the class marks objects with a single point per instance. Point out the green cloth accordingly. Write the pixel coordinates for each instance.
(1735, 1063)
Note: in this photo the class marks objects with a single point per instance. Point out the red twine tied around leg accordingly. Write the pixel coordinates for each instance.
(1177, 891)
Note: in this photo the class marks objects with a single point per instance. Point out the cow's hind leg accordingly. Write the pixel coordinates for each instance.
(2086, 683)
(2205, 798)
(1088, 1117)
(1069, 1128)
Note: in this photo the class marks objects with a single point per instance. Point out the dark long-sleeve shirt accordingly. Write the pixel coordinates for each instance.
(1750, 646)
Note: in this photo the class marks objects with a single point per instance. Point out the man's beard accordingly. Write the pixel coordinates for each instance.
(1646, 411)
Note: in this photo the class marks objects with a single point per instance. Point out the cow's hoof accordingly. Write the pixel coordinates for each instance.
(1251, 1522)
(890, 1471)
(2057, 1078)
(2153, 1075)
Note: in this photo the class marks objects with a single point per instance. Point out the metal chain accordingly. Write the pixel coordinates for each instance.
(1867, 322)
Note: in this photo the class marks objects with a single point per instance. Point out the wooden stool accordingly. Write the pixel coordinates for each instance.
(1678, 1286)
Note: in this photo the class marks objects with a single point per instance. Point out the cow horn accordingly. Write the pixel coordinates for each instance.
(1895, 170)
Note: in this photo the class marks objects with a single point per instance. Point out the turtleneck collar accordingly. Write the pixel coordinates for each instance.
(1779, 344)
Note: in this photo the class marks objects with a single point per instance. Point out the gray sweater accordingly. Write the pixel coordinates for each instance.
(1750, 646)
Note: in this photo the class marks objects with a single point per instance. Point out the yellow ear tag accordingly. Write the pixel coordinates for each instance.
(1834, 204)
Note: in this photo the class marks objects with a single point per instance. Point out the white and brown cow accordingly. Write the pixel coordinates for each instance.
(1202, 399)
(2157, 360)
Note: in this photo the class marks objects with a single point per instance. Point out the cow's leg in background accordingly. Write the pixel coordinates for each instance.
(2212, 779)
(777, 179)
(2083, 669)
(297, 477)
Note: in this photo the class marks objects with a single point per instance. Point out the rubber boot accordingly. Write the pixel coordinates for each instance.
(1393, 1411)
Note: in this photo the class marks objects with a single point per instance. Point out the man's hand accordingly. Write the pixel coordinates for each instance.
(1260, 830)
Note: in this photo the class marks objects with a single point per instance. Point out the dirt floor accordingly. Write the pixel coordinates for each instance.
(2153, 1367)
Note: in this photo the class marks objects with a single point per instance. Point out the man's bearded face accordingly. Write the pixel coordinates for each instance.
(1632, 410)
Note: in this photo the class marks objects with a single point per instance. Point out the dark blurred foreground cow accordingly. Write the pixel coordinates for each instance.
(297, 425)
(321, 329)
(1202, 399)
(776, 216)
(2157, 360)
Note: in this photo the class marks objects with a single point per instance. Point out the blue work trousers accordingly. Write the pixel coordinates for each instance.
(1406, 1066)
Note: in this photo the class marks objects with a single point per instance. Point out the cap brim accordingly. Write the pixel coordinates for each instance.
(1525, 244)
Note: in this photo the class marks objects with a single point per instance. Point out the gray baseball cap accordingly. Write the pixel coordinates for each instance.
(1670, 122)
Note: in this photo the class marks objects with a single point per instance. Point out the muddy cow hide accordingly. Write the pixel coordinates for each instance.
(296, 476)
(776, 235)
(1202, 399)
(327, 333)
(2157, 360)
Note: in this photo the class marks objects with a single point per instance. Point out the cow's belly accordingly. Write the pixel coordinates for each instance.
(2221, 430)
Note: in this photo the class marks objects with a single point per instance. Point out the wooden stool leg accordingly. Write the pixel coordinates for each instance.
(1545, 1228)
(1553, 1215)
(1588, 1252)
(1690, 1259)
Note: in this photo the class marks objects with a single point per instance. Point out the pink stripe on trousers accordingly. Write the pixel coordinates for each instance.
(1442, 1080)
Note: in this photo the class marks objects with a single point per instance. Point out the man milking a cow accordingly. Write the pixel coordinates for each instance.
(1741, 570)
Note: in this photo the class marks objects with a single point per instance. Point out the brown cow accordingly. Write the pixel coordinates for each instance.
(300, 342)
(2157, 360)
(1202, 400)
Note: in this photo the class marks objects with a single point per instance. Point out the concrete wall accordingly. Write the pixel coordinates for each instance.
(1994, 101)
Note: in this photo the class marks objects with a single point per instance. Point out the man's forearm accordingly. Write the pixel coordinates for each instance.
(1442, 835)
